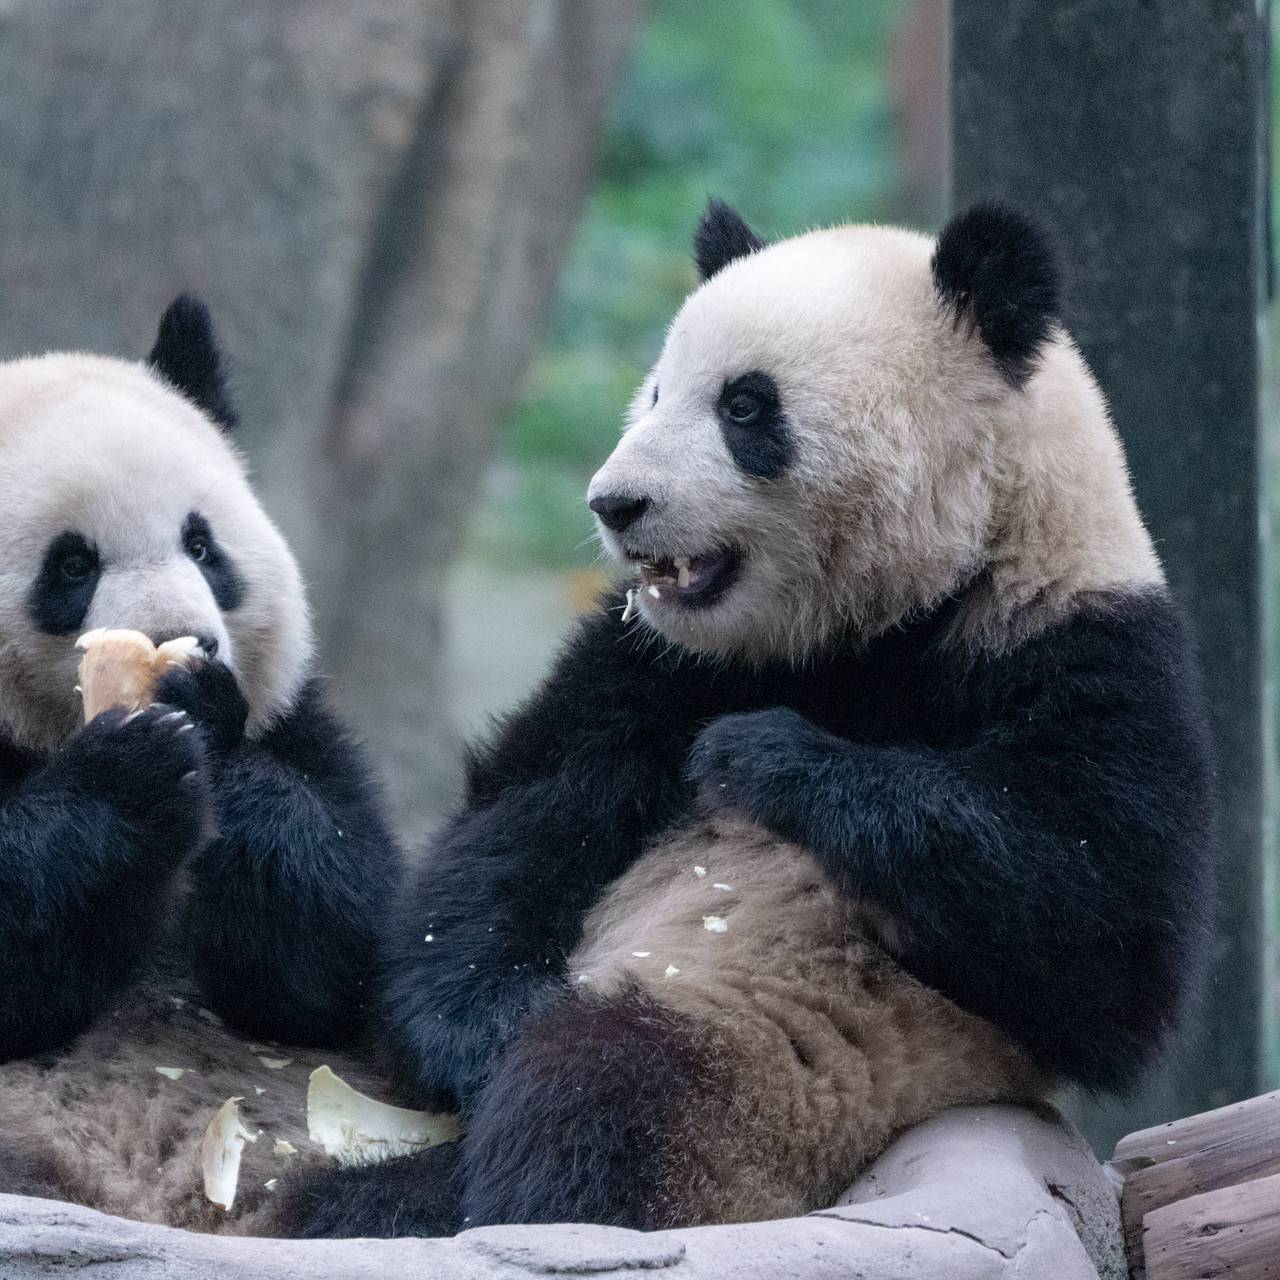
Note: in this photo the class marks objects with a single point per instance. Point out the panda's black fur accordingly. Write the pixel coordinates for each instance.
(176, 880)
(1025, 823)
(995, 269)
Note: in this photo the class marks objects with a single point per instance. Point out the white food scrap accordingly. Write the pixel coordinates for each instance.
(357, 1129)
(284, 1147)
(715, 924)
(271, 1183)
(173, 1073)
(699, 872)
(728, 888)
(632, 608)
(224, 1140)
(670, 971)
(275, 1064)
(642, 955)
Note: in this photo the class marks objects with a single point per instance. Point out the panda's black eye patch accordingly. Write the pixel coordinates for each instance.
(204, 550)
(753, 425)
(59, 598)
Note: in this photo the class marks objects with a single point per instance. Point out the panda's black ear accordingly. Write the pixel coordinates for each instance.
(186, 356)
(996, 268)
(721, 237)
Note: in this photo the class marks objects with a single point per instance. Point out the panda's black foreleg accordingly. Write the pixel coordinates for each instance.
(1040, 878)
(560, 802)
(88, 847)
(287, 904)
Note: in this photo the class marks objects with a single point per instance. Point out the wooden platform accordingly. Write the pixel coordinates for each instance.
(1201, 1196)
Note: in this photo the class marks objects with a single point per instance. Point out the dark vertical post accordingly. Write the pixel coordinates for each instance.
(1136, 127)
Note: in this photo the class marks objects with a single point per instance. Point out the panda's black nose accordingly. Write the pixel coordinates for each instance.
(618, 510)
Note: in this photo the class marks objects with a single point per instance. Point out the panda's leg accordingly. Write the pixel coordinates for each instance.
(419, 1195)
(584, 1117)
(756, 1098)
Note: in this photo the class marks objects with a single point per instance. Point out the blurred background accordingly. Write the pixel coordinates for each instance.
(442, 239)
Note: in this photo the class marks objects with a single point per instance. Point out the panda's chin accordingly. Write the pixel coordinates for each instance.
(687, 582)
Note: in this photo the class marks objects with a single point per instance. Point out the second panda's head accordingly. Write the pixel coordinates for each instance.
(125, 505)
(845, 428)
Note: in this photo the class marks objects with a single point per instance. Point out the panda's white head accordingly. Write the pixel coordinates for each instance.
(847, 427)
(125, 505)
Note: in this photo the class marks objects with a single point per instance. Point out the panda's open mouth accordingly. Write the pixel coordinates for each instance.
(687, 580)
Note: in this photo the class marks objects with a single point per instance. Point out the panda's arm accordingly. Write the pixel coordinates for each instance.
(89, 844)
(287, 902)
(1053, 874)
(560, 803)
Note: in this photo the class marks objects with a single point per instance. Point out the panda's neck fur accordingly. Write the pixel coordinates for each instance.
(1065, 528)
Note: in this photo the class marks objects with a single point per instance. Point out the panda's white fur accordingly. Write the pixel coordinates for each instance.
(914, 464)
(106, 446)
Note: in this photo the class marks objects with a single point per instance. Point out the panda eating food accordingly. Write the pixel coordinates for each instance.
(182, 879)
(883, 790)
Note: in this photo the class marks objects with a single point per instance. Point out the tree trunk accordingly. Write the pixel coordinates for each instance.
(375, 199)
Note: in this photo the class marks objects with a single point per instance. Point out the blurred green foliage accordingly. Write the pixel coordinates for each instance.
(780, 107)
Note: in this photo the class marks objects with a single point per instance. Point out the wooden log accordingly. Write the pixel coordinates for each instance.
(1186, 1158)
(1232, 1232)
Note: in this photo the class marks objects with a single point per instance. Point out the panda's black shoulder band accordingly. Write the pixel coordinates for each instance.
(996, 267)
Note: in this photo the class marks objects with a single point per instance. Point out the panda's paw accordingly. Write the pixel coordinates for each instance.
(150, 765)
(751, 762)
(207, 691)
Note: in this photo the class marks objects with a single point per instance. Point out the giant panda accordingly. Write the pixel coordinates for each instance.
(882, 790)
(185, 887)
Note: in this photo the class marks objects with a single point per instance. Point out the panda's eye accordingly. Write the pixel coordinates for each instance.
(743, 408)
(198, 547)
(75, 567)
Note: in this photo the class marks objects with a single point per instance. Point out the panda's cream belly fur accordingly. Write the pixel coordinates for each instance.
(824, 1047)
(124, 1138)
